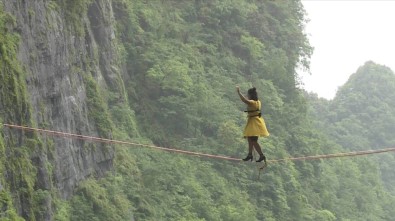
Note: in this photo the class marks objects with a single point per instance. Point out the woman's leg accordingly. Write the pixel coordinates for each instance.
(250, 147)
(258, 148)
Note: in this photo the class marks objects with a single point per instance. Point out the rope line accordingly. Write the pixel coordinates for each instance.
(110, 141)
(336, 155)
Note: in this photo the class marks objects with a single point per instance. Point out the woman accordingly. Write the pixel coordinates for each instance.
(256, 126)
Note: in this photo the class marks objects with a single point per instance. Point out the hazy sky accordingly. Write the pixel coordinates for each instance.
(346, 34)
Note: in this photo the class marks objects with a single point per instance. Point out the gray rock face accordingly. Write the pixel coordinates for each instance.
(56, 58)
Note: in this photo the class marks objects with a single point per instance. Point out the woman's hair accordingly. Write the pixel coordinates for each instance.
(252, 94)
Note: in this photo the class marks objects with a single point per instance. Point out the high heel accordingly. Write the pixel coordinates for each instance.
(249, 157)
(262, 157)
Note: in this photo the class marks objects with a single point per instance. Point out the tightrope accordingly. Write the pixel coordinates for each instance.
(337, 155)
(111, 141)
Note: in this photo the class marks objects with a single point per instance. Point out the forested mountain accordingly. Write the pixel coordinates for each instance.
(362, 115)
(164, 73)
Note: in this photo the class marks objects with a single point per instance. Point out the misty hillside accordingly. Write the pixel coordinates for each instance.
(362, 115)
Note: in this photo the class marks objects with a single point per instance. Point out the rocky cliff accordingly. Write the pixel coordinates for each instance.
(65, 58)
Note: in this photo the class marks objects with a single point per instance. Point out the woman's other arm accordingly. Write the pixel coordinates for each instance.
(242, 98)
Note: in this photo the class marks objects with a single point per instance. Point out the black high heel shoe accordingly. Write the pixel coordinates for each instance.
(262, 157)
(249, 157)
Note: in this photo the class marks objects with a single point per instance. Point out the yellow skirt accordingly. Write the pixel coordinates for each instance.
(256, 127)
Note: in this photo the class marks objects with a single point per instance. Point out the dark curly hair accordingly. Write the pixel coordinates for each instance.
(252, 94)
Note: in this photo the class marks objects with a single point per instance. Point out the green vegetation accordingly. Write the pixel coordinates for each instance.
(15, 161)
(7, 211)
(74, 11)
(97, 108)
(362, 115)
(183, 60)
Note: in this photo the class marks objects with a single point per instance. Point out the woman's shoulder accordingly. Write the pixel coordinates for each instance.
(253, 102)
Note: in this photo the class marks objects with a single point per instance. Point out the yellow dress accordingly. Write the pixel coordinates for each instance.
(255, 125)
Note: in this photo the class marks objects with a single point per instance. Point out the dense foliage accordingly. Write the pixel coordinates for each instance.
(16, 165)
(362, 115)
(183, 61)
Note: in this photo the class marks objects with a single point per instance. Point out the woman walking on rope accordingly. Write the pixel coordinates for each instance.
(256, 126)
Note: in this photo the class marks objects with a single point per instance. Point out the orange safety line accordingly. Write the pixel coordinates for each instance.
(104, 140)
